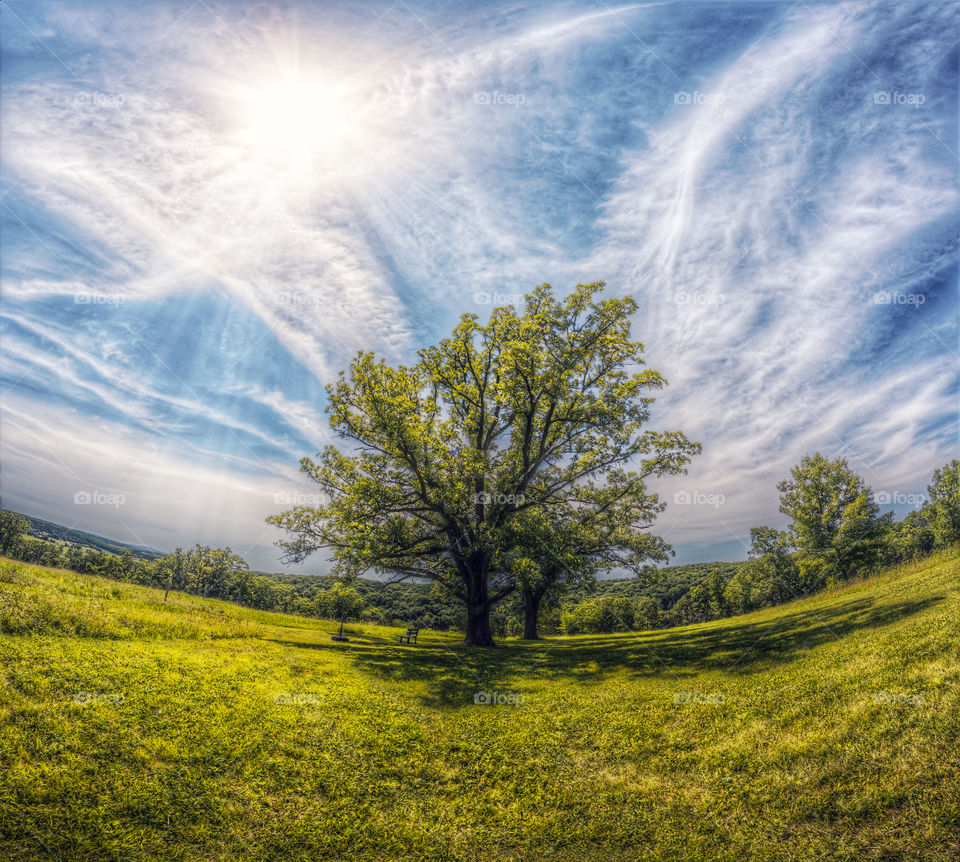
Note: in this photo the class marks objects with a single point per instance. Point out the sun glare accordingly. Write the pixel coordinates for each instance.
(296, 118)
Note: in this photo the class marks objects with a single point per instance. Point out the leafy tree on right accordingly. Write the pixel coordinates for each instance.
(834, 521)
(944, 506)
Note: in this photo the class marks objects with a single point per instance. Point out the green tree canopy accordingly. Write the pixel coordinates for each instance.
(833, 516)
(340, 602)
(12, 526)
(600, 615)
(769, 577)
(552, 550)
(944, 491)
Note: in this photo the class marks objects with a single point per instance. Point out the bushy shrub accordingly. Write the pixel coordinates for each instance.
(599, 615)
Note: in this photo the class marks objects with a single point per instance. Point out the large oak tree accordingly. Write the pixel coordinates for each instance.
(541, 410)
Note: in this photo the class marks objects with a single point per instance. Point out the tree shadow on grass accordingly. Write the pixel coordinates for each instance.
(454, 673)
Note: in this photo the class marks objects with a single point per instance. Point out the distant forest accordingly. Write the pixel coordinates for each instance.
(420, 604)
(836, 534)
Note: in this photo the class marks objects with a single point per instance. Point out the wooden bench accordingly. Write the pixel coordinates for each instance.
(411, 634)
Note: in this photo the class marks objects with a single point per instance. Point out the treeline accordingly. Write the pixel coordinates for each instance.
(632, 604)
(835, 534)
(203, 571)
(221, 574)
(399, 604)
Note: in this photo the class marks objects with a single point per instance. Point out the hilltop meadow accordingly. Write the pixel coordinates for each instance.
(135, 728)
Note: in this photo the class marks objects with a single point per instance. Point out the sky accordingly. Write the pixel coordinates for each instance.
(208, 208)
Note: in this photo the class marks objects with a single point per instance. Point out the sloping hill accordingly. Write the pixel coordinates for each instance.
(50, 531)
(824, 729)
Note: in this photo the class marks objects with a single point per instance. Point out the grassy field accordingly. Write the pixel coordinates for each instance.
(133, 730)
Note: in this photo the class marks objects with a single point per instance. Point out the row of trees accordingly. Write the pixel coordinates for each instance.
(835, 533)
(587, 606)
(222, 574)
(201, 570)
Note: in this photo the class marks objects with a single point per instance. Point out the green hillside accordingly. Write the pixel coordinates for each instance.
(51, 532)
(827, 728)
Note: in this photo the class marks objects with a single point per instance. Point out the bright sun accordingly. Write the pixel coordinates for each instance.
(298, 118)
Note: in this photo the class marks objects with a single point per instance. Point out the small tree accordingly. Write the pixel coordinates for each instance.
(341, 602)
(944, 493)
(769, 577)
(833, 516)
(912, 538)
(706, 601)
(208, 569)
(172, 568)
(647, 613)
(12, 526)
(551, 551)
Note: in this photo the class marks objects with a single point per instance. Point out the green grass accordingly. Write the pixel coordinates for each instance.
(133, 730)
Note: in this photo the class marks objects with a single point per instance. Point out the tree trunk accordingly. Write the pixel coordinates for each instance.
(531, 614)
(478, 625)
(474, 573)
(478, 605)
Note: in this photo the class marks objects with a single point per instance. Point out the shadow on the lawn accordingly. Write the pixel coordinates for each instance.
(454, 673)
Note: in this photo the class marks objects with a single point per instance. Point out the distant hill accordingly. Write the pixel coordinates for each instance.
(49, 531)
(411, 600)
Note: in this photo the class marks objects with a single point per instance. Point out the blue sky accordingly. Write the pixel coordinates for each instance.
(208, 208)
